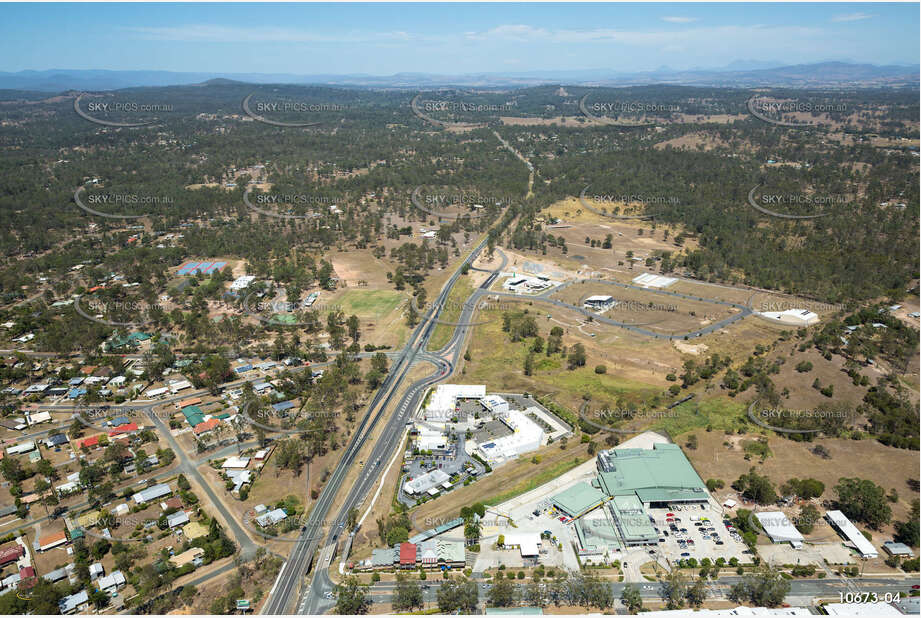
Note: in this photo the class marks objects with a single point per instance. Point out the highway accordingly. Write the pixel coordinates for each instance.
(290, 579)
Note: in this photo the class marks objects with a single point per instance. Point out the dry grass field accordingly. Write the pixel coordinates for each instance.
(868, 459)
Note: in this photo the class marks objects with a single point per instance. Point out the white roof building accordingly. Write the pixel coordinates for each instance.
(430, 439)
(791, 317)
(598, 302)
(526, 436)
(443, 400)
(156, 392)
(22, 447)
(843, 525)
(111, 582)
(527, 542)
(649, 280)
(38, 417)
(423, 483)
(272, 517)
(779, 528)
(495, 404)
(235, 462)
(241, 283)
(175, 387)
(861, 609)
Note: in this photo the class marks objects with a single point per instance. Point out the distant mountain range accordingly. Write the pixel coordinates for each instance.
(739, 74)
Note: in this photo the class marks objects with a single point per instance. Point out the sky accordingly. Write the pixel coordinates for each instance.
(383, 39)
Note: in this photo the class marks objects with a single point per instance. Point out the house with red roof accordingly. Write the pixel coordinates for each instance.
(91, 442)
(11, 554)
(123, 429)
(206, 426)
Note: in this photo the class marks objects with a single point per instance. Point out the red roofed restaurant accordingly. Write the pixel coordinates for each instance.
(407, 555)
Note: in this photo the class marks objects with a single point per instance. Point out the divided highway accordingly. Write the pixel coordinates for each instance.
(306, 548)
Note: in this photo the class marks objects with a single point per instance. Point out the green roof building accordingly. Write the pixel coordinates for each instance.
(631, 520)
(193, 415)
(656, 477)
(578, 499)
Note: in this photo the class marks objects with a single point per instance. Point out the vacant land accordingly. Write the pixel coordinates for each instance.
(868, 459)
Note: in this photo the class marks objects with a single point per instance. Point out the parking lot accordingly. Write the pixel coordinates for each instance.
(690, 531)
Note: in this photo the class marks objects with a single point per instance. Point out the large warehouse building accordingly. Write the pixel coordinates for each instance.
(630, 481)
(525, 436)
(657, 477)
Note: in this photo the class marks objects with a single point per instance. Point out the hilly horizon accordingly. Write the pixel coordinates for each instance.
(739, 73)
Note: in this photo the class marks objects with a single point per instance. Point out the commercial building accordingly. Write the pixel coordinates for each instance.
(425, 483)
(494, 404)
(598, 303)
(528, 543)
(578, 500)
(442, 402)
(776, 525)
(791, 317)
(525, 436)
(431, 440)
(898, 549)
(407, 553)
(845, 528)
(631, 521)
(658, 477)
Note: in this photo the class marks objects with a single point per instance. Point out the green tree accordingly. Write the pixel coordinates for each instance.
(864, 501)
(502, 594)
(352, 597)
(764, 587)
(460, 596)
(673, 589)
(631, 598)
(408, 594)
